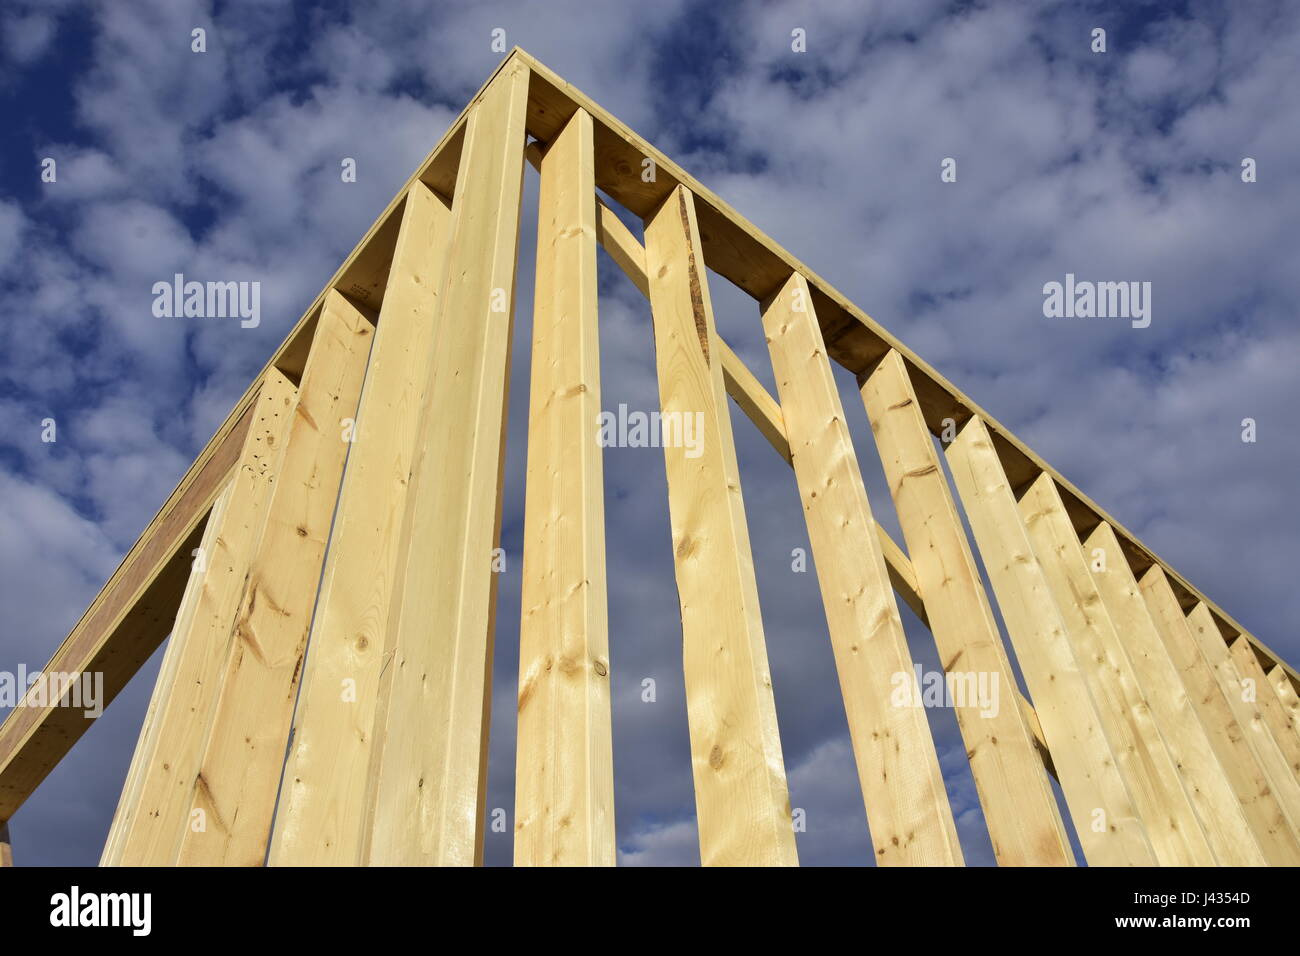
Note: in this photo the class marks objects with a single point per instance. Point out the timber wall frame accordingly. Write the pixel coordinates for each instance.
(1159, 715)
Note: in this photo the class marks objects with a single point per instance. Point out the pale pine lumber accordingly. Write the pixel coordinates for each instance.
(1261, 805)
(1207, 785)
(164, 687)
(1143, 759)
(740, 252)
(320, 820)
(1107, 824)
(1286, 694)
(132, 613)
(898, 769)
(6, 845)
(160, 817)
(564, 768)
(1270, 708)
(741, 798)
(1268, 753)
(1019, 806)
(131, 616)
(753, 399)
(741, 384)
(235, 793)
(430, 765)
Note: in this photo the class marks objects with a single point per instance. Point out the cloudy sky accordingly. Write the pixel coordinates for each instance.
(225, 165)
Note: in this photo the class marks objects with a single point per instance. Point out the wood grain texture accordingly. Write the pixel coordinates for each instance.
(1143, 759)
(1270, 708)
(1244, 704)
(765, 413)
(741, 384)
(320, 820)
(564, 768)
(1107, 824)
(161, 816)
(1019, 806)
(1217, 808)
(1263, 810)
(898, 769)
(6, 846)
(235, 793)
(1286, 695)
(164, 687)
(430, 765)
(742, 804)
(131, 616)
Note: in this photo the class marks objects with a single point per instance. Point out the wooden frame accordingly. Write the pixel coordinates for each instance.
(1136, 677)
(564, 773)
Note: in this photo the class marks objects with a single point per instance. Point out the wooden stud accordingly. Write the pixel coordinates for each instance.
(235, 793)
(6, 845)
(742, 803)
(1220, 813)
(326, 777)
(1019, 806)
(1263, 810)
(1272, 760)
(160, 817)
(1286, 695)
(1105, 820)
(430, 764)
(564, 768)
(898, 769)
(164, 688)
(1144, 761)
(1275, 717)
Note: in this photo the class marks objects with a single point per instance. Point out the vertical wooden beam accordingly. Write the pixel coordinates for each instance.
(1271, 759)
(159, 819)
(898, 769)
(1286, 695)
(163, 689)
(564, 768)
(430, 767)
(1263, 810)
(1144, 761)
(1019, 806)
(1207, 786)
(6, 845)
(1105, 820)
(234, 796)
(741, 799)
(1266, 700)
(323, 795)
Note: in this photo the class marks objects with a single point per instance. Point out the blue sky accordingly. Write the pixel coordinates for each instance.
(225, 165)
